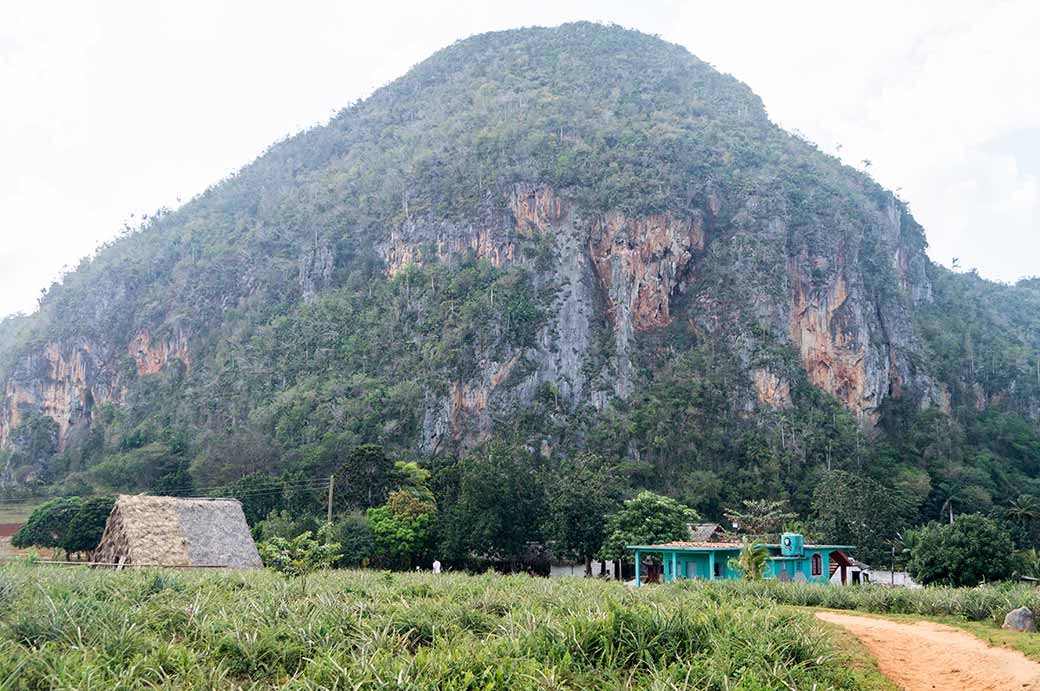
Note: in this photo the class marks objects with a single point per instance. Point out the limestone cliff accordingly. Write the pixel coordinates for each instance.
(665, 251)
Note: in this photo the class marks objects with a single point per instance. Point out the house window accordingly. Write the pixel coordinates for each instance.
(817, 565)
(718, 569)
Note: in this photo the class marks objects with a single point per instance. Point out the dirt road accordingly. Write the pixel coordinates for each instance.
(923, 656)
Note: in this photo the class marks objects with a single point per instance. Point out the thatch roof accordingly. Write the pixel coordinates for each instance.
(169, 531)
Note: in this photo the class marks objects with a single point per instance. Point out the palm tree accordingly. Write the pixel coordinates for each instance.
(1024, 510)
(752, 561)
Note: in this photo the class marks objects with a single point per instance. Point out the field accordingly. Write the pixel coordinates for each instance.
(82, 629)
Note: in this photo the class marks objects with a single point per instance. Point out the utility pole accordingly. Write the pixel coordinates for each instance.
(332, 483)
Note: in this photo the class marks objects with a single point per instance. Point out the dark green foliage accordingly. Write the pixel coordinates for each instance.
(496, 508)
(357, 541)
(48, 524)
(284, 524)
(967, 552)
(363, 480)
(646, 519)
(855, 510)
(84, 531)
(580, 495)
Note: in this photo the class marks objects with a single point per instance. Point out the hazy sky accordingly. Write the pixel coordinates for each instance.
(116, 108)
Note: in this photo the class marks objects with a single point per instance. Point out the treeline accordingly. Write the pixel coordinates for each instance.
(502, 507)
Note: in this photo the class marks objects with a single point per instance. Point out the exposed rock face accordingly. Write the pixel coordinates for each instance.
(851, 343)
(316, 266)
(64, 383)
(67, 381)
(772, 390)
(151, 357)
(830, 333)
(640, 264)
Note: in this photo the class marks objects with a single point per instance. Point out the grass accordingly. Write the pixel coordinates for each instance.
(16, 512)
(983, 603)
(84, 629)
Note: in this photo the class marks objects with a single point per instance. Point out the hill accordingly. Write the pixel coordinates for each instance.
(571, 239)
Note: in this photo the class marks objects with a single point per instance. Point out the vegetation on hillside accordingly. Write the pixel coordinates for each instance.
(304, 353)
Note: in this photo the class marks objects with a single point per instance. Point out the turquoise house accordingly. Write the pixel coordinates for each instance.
(791, 560)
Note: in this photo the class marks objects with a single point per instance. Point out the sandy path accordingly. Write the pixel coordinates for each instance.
(924, 656)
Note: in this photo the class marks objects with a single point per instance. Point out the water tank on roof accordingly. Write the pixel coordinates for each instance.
(792, 544)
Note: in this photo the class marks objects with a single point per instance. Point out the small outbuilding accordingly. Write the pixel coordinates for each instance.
(171, 531)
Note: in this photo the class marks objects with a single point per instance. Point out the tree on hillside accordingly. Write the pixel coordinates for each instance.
(967, 552)
(402, 529)
(580, 497)
(646, 519)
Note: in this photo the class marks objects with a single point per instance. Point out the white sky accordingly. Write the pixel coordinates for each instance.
(113, 108)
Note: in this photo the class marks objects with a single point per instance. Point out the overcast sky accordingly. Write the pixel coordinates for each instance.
(115, 108)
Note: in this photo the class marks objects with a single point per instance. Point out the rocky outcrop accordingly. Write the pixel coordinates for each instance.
(633, 266)
(828, 329)
(316, 266)
(773, 390)
(640, 262)
(64, 383)
(151, 356)
(67, 381)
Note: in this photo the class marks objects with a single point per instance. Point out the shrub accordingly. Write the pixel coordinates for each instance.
(967, 552)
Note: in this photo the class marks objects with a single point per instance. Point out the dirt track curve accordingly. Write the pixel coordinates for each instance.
(924, 656)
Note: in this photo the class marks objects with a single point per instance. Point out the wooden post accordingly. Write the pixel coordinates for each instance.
(711, 565)
(638, 579)
(332, 483)
(675, 574)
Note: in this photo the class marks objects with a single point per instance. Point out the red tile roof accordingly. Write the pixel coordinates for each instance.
(709, 545)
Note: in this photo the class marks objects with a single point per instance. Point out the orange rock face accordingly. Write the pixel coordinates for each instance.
(827, 334)
(64, 392)
(470, 401)
(640, 262)
(772, 390)
(535, 208)
(151, 358)
(69, 380)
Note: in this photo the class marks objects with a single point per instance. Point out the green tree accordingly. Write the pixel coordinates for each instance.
(856, 510)
(498, 507)
(364, 479)
(580, 497)
(646, 519)
(299, 556)
(84, 531)
(48, 524)
(967, 552)
(353, 532)
(400, 537)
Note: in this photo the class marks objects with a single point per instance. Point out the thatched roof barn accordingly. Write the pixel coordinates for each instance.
(169, 531)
